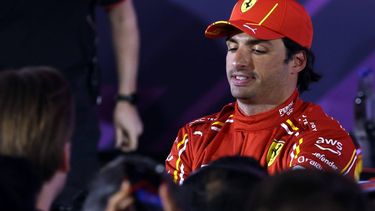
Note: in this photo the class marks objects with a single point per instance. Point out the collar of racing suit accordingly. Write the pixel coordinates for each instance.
(268, 119)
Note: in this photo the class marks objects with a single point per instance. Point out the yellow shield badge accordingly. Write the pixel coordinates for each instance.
(274, 151)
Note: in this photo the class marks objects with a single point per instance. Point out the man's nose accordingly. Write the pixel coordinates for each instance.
(241, 59)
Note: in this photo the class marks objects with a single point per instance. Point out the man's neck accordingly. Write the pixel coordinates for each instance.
(249, 107)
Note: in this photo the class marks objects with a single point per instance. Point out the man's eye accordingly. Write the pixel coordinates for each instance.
(257, 51)
(232, 48)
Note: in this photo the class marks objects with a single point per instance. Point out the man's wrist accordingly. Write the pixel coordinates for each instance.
(130, 98)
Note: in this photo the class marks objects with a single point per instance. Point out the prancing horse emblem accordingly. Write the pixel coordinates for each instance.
(247, 4)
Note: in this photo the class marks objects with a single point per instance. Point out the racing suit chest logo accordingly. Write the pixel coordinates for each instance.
(331, 145)
(273, 151)
(287, 109)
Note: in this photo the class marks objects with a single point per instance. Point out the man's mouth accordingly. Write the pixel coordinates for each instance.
(242, 80)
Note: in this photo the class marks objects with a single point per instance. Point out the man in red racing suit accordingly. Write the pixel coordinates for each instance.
(296, 134)
(268, 63)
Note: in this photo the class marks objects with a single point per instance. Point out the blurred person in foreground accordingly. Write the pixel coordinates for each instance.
(268, 64)
(63, 34)
(36, 123)
(19, 184)
(225, 184)
(309, 190)
(132, 182)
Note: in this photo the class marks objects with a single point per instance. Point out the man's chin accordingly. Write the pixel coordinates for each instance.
(241, 95)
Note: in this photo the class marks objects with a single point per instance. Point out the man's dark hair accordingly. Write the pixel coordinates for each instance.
(225, 184)
(307, 75)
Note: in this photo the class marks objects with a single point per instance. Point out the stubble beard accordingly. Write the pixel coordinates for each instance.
(243, 93)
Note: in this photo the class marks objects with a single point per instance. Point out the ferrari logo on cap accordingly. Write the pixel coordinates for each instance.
(247, 4)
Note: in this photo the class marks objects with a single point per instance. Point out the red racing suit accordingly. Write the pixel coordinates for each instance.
(295, 134)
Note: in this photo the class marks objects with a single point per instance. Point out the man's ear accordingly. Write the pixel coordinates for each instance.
(298, 62)
(65, 164)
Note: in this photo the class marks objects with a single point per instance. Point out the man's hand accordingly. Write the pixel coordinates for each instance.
(121, 200)
(128, 126)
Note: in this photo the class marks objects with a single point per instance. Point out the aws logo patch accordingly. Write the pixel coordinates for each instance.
(247, 4)
(274, 151)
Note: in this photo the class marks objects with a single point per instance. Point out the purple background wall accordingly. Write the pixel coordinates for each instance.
(182, 74)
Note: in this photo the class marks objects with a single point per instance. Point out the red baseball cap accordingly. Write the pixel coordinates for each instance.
(267, 20)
